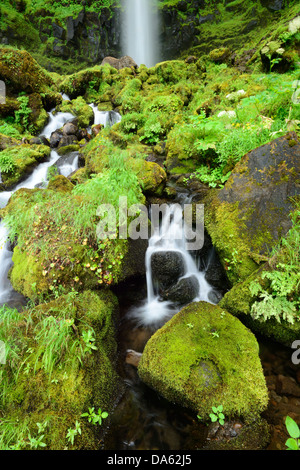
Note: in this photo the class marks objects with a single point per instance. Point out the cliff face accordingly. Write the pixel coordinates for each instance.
(66, 38)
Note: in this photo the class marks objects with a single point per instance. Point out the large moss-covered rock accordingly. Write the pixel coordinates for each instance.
(53, 380)
(152, 177)
(246, 218)
(21, 71)
(18, 161)
(205, 357)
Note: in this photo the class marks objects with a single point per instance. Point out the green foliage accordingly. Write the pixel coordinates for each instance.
(72, 433)
(94, 417)
(7, 164)
(217, 415)
(280, 300)
(293, 443)
(8, 129)
(89, 340)
(24, 111)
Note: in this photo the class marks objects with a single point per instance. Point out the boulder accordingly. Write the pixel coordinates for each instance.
(247, 217)
(183, 292)
(121, 63)
(167, 267)
(204, 357)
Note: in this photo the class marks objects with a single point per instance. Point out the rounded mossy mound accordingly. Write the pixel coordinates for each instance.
(56, 376)
(205, 357)
(18, 161)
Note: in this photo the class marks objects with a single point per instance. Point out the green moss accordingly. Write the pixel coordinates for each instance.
(203, 357)
(80, 109)
(74, 386)
(24, 158)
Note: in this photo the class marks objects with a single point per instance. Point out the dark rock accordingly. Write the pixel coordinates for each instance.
(273, 5)
(69, 129)
(167, 267)
(41, 140)
(58, 31)
(55, 138)
(183, 292)
(70, 28)
(67, 140)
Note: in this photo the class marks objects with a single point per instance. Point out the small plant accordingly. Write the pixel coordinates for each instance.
(217, 415)
(72, 433)
(7, 165)
(89, 340)
(35, 443)
(293, 442)
(95, 418)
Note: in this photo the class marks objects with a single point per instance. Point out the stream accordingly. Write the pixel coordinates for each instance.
(142, 419)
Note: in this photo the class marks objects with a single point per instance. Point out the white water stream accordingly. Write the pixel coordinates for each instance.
(140, 31)
(168, 237)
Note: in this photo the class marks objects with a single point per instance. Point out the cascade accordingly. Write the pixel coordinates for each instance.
(140, 31)
(168, 240)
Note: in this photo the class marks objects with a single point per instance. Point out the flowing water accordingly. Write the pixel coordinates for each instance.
(169, 237)
(140, 31)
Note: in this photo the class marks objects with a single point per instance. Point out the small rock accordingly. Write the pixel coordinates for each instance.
(133, 357)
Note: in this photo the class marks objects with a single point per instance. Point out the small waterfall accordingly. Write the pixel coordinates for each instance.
(56, 121)
(140, 31)
(169, 238)
(106, 118)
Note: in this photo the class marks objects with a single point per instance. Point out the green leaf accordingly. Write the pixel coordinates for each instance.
(213, 417)
(215, 409)
(104, 414)
(221, 416)
(220, 408)
(221, 421)
(292, 427)
(292, 444)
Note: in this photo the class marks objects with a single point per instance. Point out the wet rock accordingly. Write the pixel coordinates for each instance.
(96, 129)
(41, 140)
(214, 296)
(55, 138)
(183, 292)
(167, 267)
(67, 140)
(70, 129)
(133, 357)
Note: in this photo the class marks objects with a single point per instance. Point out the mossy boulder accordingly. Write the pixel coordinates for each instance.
(152, 177)
(22, 72)
(60, 183)
(79, 108)
(247, 217)
(18, 161)
(56, 380)
(205, 357)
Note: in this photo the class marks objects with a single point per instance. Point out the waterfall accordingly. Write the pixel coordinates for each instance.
(140, 31)
(168, 238)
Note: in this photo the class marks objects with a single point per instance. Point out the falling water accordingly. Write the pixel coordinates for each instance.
(140, 31)
(168, 237)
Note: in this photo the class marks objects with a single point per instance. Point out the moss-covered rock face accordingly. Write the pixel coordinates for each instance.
(247, 217)
(205, 357)
(56, 377)
(22, 73)
(18, 161)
